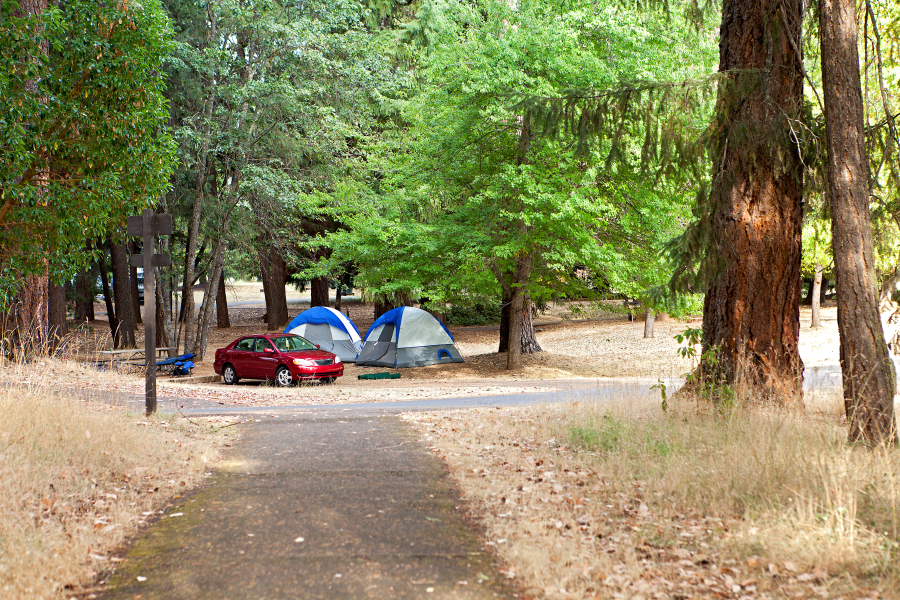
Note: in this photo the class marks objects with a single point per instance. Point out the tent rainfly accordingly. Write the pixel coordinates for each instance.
(407, 337)
(330, 329)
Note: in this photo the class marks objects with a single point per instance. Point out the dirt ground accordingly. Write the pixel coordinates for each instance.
(579, 343)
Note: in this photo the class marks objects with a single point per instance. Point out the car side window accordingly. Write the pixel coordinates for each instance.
(245, 344)
(262, 344)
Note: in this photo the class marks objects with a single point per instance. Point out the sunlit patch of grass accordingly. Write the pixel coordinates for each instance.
(77, 477)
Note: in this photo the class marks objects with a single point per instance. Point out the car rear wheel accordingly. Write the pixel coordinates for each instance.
(229, 375)
(283, 377)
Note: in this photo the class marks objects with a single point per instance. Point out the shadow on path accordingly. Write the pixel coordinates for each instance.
(325, 506)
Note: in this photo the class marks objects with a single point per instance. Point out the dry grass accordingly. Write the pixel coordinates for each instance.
(619, 499)
(77, 478)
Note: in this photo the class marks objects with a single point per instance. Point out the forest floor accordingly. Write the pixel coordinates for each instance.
(580, 343)
(623, 500)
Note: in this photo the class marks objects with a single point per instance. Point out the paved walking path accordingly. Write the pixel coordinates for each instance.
(330, 505)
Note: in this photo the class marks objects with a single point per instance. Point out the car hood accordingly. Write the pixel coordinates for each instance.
(310, 354)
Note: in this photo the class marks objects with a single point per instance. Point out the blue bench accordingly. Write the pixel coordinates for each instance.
(177, 365)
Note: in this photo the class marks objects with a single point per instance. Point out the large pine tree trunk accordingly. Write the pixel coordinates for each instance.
(866, 366)
(318, 292)
(272, 268)
(122, 293)
(816, 296)
(751, 313)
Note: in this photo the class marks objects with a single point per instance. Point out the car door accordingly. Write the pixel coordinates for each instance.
(242, 357)
(266, 360)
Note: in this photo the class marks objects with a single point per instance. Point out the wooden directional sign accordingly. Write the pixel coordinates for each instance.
(159, 225)
(149, 225)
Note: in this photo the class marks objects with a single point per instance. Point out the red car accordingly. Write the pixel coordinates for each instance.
(283, 357)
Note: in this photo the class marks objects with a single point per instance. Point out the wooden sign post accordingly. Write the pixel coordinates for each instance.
(149, 225)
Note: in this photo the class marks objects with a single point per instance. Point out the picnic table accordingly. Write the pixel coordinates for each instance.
(128, 355)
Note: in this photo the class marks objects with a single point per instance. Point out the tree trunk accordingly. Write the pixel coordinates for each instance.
(382, 305)
(866, 366)
(337, 296)
(56, 314)
(751, 313)
(649, 320)
(135, 291)
(505, 322)
(318, 292)
(190, 255)
(25, 325)
(816, 295)
(807, 299)
(26, 322)
(272, 268)
(164, 336)
(209, 298)
(517, 311)
(529, 337)
(107, 297)
(222, 319)
(122, 294)
(84, 296)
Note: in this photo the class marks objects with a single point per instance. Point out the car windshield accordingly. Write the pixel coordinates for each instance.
(292, 343)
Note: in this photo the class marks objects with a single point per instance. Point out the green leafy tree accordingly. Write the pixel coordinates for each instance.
(83, 137)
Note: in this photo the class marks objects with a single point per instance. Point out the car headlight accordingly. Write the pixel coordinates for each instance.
(337, 359)
(303, 362)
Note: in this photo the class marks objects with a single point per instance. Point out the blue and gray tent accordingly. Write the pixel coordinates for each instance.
(407, 337)
(330, 329)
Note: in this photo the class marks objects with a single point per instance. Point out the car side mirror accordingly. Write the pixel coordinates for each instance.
(318, 347)
(268, 351)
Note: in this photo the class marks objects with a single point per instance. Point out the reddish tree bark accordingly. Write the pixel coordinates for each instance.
(868, 372)
(318, 292)
(751, 313)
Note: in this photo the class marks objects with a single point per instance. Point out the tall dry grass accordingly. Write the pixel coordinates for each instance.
(802, 494)
(595, 499)
(77, 478)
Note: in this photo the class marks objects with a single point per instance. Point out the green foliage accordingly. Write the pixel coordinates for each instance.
(485, 313)
(458, 200)
(83, 142)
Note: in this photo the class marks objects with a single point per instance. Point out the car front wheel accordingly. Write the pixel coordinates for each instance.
(283, 377)
(229, 375)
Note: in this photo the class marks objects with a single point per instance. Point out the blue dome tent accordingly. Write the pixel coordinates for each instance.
(407, 337)
(330, 329)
